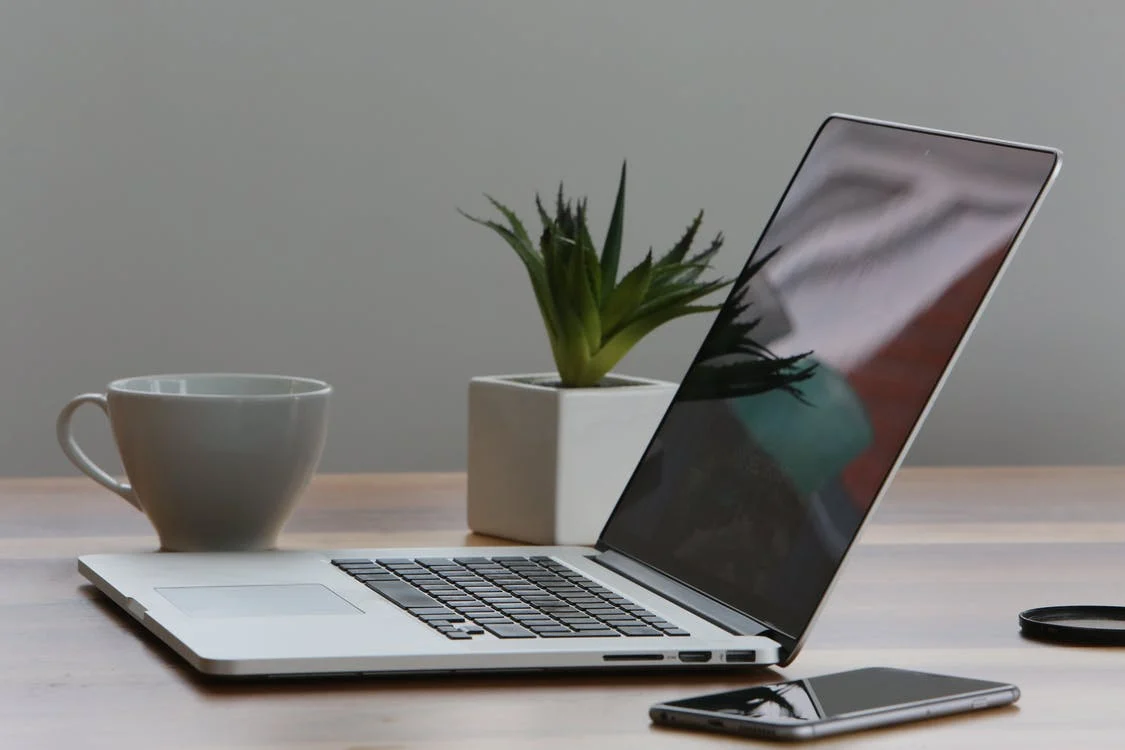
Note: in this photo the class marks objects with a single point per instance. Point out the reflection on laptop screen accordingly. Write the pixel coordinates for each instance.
(821, 362)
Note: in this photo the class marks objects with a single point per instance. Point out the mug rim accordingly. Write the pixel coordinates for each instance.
(316, 387)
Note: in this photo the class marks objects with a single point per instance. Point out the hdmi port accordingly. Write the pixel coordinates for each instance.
(695, 657)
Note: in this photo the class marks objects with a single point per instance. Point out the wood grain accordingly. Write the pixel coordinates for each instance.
(935, 583)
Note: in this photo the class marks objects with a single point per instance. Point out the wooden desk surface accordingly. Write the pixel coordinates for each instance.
(936, 584)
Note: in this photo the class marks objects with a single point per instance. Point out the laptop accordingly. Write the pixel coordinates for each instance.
(724, 544)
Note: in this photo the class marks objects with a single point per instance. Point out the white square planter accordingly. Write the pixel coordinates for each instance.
(547, 464)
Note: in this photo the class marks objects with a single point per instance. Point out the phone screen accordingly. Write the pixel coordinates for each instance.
(834, 695)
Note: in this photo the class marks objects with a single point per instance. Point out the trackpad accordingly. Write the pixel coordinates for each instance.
(258, 601)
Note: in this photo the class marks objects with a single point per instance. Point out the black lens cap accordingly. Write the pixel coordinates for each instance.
(1091, 625)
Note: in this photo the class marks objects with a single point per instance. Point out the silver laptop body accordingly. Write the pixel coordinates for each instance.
(783, 436)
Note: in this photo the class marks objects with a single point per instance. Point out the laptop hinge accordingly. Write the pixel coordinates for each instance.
(688, 598)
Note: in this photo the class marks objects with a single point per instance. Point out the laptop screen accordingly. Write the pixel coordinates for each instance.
(822, 361)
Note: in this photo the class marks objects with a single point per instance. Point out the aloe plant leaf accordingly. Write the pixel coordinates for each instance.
(679, 250)
(618, 345)
(585, 304)
(671, 300)
(590, 253)
(627, 296)
(704, 256)
(667, 278)
(517, 226)
(564, 215)
(576, 351)
(695, 265)
(611, 250)
(535, 269)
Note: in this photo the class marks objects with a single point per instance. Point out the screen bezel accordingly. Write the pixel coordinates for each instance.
(791, 643)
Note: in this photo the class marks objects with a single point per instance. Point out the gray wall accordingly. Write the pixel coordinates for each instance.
(271, 186)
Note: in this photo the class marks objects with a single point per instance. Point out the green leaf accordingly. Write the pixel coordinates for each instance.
(611, 251)
(695, 265)
(582, 237)
(620, 343)
(656, 306)
(575, 352)
(535, 270)
(667, 278)
(517, 225)
(564, 216)
(628, 295)
(679, 250)
(586, 304)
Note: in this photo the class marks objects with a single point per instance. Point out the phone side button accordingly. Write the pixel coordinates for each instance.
(980, 702)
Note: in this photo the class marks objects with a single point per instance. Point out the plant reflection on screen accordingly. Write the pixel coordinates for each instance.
(758, 698)
(732, 364)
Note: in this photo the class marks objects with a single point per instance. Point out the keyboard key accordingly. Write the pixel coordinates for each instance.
(573, 620)
(425, 611)
(473, 609)
(510, 630)
(589, 626)
(388, 561)
(555, 611)
(470, 560)
(458, 635)
(492, 620)
(352, 561)
(655, 621)
(541, 629)
(451, 617)
(676, 632)
(403, 594)
(431, 561)
(471, 629)
(535, 619)
(639, 631)
(496, 601)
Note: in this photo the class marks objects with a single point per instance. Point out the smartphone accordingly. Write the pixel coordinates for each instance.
(833, 703)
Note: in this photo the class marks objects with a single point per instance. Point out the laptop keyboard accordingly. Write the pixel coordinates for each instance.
(507, 596)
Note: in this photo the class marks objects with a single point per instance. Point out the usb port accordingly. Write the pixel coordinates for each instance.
(741, 657)
(695, 657)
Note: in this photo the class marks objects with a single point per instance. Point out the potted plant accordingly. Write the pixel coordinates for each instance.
(550, 453)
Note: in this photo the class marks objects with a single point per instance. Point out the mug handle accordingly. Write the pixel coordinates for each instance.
(79, 458)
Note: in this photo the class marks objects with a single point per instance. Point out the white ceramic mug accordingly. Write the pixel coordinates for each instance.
(216, 461)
